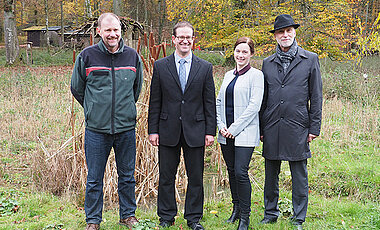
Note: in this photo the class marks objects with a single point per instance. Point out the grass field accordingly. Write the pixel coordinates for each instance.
(344, 174)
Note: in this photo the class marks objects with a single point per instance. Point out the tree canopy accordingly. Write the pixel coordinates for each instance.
(328, 27)
(331, 28)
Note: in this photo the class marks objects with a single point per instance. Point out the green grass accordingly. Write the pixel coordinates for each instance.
(41, 57)
(41, 210)
(58, 57)
(214, 58)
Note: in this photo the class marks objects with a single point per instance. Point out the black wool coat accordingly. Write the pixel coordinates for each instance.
(292, 106)
(171, 112)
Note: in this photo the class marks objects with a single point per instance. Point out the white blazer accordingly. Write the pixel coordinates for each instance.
(248, 94)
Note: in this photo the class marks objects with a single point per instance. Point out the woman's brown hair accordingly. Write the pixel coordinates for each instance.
(248, 41)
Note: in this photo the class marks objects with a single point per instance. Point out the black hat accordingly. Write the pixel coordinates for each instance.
(283, 21)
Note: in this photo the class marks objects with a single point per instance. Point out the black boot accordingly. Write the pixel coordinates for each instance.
(243, 222)
(235, 214)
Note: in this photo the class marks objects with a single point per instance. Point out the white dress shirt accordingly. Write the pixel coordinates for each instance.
(187, 64)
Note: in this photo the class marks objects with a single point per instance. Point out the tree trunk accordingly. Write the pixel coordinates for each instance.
(96, 8)
(145, 12)
(10, 33)
(87, 6)
(117, 7)
(47, 26)
(62, 26)
(22, 12)
(76, 10)
(137, 10)
(35, 17)
(162, 11)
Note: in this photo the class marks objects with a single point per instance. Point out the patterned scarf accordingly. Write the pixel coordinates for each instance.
(287, 57)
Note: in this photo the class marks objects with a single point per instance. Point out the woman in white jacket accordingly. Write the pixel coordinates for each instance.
(237, 108)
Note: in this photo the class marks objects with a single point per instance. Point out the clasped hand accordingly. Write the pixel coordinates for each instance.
(225, 133)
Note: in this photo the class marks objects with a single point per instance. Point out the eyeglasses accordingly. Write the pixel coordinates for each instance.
(182, 38)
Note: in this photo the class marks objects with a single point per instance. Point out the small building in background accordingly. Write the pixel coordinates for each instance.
(83, 36)
(37, 35)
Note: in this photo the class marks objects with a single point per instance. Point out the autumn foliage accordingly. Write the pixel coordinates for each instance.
(338, 29)
(329, 28)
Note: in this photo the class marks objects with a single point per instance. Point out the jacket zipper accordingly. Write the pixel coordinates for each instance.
(113, 96)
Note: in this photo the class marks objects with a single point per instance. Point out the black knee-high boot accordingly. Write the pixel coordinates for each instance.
(235, 214)
(244, 221)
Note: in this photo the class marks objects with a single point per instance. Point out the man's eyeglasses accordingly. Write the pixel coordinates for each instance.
(182, 38)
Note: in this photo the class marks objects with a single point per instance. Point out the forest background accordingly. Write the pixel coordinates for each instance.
(331, 28)
(42, 166)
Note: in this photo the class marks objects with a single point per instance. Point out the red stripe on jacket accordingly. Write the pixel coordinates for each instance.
(90, 69)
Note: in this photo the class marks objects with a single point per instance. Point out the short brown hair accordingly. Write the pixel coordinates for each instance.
(248, 41)
(104, 15)
(180, 25)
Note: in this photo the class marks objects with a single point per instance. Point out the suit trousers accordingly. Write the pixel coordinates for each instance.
(168, 159)
(237, 160)
(300, 189)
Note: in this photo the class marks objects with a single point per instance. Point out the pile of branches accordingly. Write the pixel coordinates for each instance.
(89, 27)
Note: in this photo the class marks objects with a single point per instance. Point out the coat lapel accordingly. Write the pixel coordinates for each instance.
(195, 66)
(293, 64)
(277, 60)
(299, 56)
(173, 69)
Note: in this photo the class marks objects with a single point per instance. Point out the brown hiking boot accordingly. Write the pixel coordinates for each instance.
(93, 227)
(129, 222)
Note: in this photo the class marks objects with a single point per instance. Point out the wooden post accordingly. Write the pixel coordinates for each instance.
(91, 38)
(72, 118)
(74, 55)
(29, 54)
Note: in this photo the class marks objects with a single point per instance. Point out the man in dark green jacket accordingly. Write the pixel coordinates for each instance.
(106, 81)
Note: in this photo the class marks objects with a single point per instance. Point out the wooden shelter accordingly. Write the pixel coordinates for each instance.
(82, 36)
(37, 35)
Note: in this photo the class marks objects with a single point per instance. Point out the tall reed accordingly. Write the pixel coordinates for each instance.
(64, 170)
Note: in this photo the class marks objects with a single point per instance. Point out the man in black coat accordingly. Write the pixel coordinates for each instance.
(290, 117)
(181, 115)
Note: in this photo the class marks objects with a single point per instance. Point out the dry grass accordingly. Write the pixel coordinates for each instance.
(350, 122)
(33, 107)
(40, 111)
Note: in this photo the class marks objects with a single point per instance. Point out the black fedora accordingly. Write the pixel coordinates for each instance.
(283, 21)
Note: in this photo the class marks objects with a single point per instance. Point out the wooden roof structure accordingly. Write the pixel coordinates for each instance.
(126, 24)
(42, 28)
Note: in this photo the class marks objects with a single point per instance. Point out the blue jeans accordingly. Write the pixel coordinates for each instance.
(97, 148)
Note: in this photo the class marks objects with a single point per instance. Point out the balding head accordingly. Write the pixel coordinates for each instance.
(106, 15)
(109, 29)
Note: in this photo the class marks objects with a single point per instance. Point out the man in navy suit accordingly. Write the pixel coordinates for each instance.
(181, 115)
